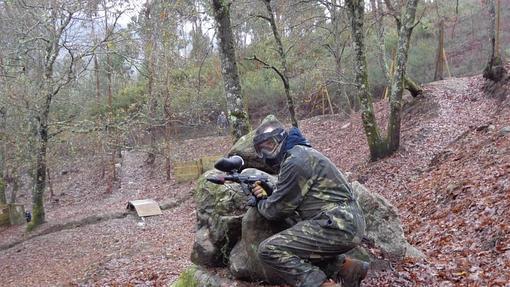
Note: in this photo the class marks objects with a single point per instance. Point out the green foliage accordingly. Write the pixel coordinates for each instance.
(128, 100)
(187, 279)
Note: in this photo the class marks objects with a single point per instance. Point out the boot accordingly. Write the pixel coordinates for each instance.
(352, 272)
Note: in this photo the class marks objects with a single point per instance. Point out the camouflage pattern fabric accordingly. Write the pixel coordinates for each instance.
(332, 222)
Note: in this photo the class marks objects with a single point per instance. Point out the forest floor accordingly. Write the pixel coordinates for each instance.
(450, 181)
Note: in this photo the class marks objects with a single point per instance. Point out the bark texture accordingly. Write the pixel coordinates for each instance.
(375, 143)
(397, 87)
(237, 115)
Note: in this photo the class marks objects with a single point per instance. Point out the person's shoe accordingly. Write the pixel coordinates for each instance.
(352, 272)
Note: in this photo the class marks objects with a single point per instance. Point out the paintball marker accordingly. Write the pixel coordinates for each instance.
(231, 167)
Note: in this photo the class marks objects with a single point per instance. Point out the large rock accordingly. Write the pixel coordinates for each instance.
(220, 209)
(384, 228)
(244, 261)
(244, 148)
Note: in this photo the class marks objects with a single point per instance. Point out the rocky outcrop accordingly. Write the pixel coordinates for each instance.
(384, 228)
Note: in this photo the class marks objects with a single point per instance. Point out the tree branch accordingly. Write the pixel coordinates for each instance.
(267, 66)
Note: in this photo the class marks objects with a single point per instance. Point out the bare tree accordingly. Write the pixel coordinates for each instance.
(284, 74)
(237, 115)
(53, 56)
(149, 53)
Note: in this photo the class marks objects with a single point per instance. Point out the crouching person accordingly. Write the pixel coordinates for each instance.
(331, 221)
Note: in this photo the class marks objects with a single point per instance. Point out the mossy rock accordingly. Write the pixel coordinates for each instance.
(220, 209)
(198, 277)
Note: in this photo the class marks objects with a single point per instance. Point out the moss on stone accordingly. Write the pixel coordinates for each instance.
(187, 279)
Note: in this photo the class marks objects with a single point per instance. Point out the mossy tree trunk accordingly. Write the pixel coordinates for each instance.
(50, 88)
(283, 61)
(237, 115)
(495, 69)
(397, 87)
(381, 147)
(375, 143)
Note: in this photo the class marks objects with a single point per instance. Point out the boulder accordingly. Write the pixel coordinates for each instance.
(220, 209)
(244, 261)
(384, 228)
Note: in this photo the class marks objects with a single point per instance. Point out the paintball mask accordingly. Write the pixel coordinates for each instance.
(268, 141)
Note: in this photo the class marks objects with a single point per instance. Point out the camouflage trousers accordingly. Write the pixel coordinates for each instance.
(296, 253)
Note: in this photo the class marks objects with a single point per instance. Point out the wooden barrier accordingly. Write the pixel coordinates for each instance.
(190, 170)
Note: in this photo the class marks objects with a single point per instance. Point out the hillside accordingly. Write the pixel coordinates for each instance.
(450, 181)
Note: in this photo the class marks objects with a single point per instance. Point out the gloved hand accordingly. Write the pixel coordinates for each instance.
(259, 191)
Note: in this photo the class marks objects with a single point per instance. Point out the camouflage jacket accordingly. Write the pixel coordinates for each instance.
(310, 185)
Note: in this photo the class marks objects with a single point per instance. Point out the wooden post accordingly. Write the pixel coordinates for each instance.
(323, 100)
(392, 70)
(446, 62)
(329, 99)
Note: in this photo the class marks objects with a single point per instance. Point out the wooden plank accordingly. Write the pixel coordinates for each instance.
(190, 170)
(187, 171)
(208, 162)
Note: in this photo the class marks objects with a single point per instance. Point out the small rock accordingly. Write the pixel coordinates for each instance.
(491, 127)
(505, 131)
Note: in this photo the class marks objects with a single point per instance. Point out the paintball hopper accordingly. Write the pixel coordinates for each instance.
(229, 164)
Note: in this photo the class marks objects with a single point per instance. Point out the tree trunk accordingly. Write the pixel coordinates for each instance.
(38, 214)
(380, 47)
(375, 143)
(283, 61)
(2, 156)
(397, 87)
(337, 51)
(237, 116)
(438, 75)
(153, 103)
(110, 125)
(495, 69)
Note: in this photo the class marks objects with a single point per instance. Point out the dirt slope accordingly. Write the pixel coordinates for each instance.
(450, 180)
